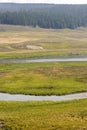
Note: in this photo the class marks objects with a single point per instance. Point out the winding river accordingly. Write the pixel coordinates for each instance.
(68, 59)
(21, 97)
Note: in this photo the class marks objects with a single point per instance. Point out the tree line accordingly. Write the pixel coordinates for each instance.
(49, 16)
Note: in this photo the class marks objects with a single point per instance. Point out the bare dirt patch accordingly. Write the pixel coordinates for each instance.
(34, 47)
(16, 40)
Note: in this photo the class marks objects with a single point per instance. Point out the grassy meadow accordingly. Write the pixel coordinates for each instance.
(28, 42)
(70, 115)
(44, 78)
(57, 78)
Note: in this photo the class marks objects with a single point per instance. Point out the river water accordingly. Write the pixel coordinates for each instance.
(21, 97)
(69, 59)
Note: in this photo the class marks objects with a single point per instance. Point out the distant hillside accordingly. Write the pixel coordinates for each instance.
(44, 15)
(16, 6)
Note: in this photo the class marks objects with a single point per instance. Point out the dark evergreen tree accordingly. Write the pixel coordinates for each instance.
(44, 15)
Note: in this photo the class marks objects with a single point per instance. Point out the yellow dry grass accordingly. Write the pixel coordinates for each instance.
(15, 37)
(37, 42)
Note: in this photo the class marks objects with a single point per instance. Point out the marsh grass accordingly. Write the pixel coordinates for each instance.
(44, 78)
(70, 115)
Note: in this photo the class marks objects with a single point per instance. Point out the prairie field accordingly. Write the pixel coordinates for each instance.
(28, 42)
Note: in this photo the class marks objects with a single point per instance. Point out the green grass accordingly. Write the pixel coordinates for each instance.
(70, 115)
(44, 78)
(15, 40)
(34, 54)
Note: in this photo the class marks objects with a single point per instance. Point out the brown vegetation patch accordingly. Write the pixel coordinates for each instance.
(1, 125)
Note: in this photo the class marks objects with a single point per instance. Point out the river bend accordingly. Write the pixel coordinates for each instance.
(21, 97)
